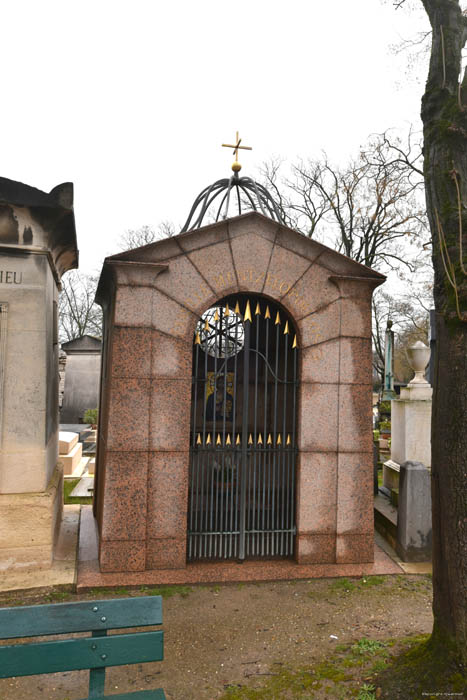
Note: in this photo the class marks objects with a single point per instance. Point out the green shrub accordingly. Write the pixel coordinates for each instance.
(385, 425)
(90, 415)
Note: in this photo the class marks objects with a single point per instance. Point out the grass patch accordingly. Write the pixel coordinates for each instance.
(68, 486)
(364, 670)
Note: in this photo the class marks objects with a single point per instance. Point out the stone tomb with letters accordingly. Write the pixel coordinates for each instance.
(37, 245)
(277, 463)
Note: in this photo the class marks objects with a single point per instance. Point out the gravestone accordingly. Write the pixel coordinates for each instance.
(37, 245)
(154, 452)
(82, 373)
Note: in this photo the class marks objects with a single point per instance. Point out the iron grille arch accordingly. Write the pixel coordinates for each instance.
(243, 431)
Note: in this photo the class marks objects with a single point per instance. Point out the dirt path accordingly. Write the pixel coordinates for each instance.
(230, 635)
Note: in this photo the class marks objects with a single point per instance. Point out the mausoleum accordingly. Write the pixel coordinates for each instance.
(236, 409)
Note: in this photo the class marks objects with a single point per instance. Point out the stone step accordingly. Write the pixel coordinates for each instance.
(385, 519)
(71, 460)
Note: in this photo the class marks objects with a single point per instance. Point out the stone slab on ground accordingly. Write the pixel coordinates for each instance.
(89, 575)
(63, 569)
(84, 488)
(66, 442)
(83, 429)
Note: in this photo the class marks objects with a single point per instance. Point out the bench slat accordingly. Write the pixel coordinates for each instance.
(82, 653)
(64, 618)
(141, 695)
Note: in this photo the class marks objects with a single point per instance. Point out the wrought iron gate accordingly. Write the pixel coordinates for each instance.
(243, 448)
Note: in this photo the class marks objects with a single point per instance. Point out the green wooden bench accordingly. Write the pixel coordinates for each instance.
(95, 652)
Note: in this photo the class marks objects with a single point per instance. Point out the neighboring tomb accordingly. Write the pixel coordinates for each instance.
(236, 400)
(37, 245)
(82, 373)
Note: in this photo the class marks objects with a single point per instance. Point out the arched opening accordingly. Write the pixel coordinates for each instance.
(243, 431)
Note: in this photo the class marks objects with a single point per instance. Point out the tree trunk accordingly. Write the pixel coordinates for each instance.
(445, 167)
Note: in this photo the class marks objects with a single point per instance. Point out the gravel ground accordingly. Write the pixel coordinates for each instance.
(231, 634)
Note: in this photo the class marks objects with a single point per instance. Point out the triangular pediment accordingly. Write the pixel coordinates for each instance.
(250, 224)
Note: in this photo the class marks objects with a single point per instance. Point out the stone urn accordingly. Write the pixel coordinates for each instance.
(418, 356)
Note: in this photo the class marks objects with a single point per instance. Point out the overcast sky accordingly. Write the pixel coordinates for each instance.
(131, 101)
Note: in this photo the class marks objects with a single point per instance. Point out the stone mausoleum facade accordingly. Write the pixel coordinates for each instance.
(204, 454)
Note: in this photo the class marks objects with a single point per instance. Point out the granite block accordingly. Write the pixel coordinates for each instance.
(171, 357)
(170, 414)
(133, 306)
(320, 363)
(355, 418)
(158, 251)
(124, 508)
(299, 244)
(355, 501)
(217, 267)
(354, 549)
(356, 318)
(208, 236)
(166, 553)
(131, 352)
(183, 283)
(315, 549)
(284, 270)
(253, 223)
(167, 495)
(312, 291)
(122, 556)
(317, 417)
(320, 326)
(316, 492)
(128, 414)
(356, 366)
(357, 287)
(251, 259)
(170, 317)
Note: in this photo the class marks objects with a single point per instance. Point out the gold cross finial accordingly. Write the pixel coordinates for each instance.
(236, 167)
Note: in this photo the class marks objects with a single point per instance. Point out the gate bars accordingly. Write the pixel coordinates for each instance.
(243, 447)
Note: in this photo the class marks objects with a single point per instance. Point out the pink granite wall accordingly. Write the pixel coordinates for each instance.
(161, 291)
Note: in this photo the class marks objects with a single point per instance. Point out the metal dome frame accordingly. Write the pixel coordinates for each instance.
(256, 194)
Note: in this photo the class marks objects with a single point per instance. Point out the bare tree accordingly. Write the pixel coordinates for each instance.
(369, 210)
(78, 314)
(135, 238)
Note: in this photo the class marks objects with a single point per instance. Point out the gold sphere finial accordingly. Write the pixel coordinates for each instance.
(236, 167)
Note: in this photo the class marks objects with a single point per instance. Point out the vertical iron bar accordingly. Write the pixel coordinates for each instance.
(274, 444)
(246, 378)
(255, 437)
(284, 445)
(234, 448)
(265, 456)
(293, 448)
(211, 518)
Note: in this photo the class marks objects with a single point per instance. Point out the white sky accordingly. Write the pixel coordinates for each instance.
(131, 101)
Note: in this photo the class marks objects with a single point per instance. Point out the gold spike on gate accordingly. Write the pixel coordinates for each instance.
(227, 440)
(247, 316)
(250, 439)
(268, 313)
(237, 308)
(258, 309)
(206, 325)
(295, 343)
(278, 319)
(289, 441)
(198, 439)
(216, 315)
(218, 441)
(286, 329)
(279, 439)
(208, 439)
(260, 439)
(197, 339)
(269, 439)
(226, 310)
(237, 441)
